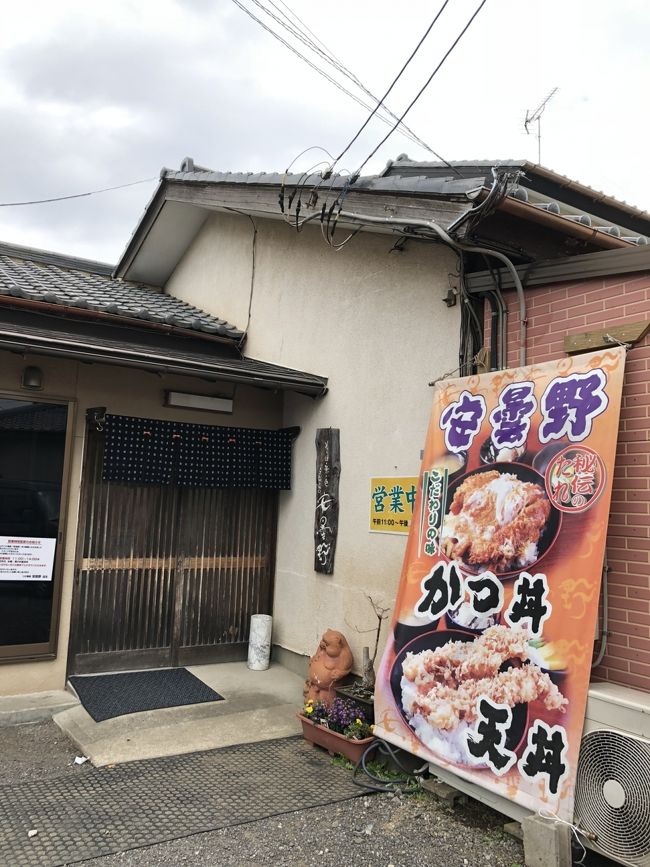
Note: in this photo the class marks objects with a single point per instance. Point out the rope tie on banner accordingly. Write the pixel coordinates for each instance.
(575, 830)
(478, 358)
(611, 339)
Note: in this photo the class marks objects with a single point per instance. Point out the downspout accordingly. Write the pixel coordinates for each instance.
(455, 245)
(494, 335)
(605, 625)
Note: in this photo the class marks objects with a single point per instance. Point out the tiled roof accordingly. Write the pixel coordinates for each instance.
(556, 193)
(38, 276)
(448, 186)
(456, 181)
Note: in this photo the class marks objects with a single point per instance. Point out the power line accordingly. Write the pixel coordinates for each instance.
(305, 27)
(337, 64)
(313, 47)
(332, 61)
(301, 56)
(76, 195)
(338, 204)
(424, 86)
(393, 83)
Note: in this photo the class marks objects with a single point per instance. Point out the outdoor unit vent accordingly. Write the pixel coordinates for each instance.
(612, 799)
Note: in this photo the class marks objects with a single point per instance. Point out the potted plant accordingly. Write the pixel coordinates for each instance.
(362, 695)
(363, 692)
(341, 728)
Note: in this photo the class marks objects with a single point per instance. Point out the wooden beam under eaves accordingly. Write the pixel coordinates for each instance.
(602, 339)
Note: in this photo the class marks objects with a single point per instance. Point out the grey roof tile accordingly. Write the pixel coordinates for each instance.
(424, 185)
(25, 276)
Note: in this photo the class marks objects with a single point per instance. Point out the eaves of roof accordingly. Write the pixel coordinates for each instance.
(570, 195)
(29, 332)
(589, 266)
(420, 185)
(183, 200)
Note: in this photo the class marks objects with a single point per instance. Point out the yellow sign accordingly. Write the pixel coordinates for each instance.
(391, 503)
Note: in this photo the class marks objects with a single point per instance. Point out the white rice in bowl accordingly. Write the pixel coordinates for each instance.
(450, 745)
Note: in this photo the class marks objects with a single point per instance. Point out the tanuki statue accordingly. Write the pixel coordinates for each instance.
(329, 665)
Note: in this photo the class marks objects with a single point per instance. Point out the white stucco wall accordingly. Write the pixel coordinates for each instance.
(375, 324)
(122, 391)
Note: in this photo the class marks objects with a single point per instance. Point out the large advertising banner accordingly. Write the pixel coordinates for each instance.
(487, 666)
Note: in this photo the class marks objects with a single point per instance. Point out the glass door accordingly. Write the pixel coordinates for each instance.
(32, 458)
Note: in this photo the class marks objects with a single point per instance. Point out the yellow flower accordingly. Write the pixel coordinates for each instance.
(309, 709)
(372, 728)
(358, 721)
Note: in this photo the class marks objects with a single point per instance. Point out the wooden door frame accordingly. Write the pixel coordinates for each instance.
(176, 654)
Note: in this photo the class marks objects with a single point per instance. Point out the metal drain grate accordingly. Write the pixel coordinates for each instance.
(142, 803)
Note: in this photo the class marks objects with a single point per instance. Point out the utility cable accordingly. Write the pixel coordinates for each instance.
(406, 784)
(408, 133)
(338, 205)
(76, 195)
(424, 86)
(306, 28)
(333, 61)
(301, 56)
(393, 83)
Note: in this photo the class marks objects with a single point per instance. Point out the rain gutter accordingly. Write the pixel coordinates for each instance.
(591, 235)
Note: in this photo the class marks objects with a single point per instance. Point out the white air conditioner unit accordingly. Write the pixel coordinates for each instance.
(612, 799)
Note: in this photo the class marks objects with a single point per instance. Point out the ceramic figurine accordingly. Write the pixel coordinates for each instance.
(330, 664)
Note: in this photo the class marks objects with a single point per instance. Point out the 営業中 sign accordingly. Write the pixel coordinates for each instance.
(391, 503)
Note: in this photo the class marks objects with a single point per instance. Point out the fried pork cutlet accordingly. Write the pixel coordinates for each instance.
(443, 686)
(495, 521)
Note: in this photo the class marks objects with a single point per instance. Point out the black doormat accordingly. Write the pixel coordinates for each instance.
(109, 695)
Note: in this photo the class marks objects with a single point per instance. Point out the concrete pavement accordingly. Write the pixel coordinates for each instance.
(258, 706)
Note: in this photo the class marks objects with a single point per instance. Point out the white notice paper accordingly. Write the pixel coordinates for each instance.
(26, 558)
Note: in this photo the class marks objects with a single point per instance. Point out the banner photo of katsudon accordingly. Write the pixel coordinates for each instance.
(487, 665)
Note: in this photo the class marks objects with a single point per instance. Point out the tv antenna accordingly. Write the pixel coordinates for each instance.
(532, 116)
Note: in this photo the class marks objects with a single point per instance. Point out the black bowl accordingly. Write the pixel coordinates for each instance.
(549, 532)
(404, 633)
(544, 456)
(519, 726)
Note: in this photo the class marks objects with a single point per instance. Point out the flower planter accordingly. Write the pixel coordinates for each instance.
(365, 699)
(333, 742)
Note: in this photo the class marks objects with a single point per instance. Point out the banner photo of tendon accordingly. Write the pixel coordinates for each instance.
(487, 665)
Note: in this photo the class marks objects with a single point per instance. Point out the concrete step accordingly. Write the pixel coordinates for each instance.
(258, 706)
(34, 707)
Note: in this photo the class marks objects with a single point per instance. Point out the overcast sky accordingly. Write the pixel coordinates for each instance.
(95, 94)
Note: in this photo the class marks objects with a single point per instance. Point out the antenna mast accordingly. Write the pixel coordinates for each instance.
(532, 116)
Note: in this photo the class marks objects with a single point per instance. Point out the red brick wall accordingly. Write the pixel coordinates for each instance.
(570, 308)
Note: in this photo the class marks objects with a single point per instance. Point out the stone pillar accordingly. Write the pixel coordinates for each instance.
(259, 643)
